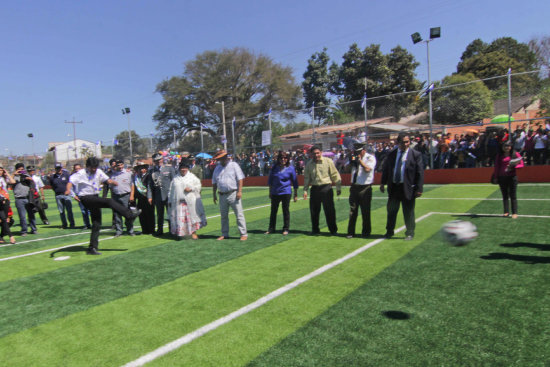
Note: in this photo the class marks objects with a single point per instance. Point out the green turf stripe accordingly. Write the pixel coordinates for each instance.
(252, 198)
(252, 276)
(125, 274)
(482, 304)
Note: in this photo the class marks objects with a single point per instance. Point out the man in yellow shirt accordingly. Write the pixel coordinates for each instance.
(320, 173)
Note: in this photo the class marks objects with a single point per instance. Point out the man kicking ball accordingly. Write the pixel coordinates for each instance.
(87, 183)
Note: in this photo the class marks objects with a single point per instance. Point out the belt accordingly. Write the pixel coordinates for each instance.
(227, 192)
(357, 185)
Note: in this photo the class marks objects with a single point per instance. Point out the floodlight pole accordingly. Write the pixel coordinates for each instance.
(126, 111)
(430, 104)
(223, 125)
(509, 102)
(74, 134)
(313, 123)
(434, 33)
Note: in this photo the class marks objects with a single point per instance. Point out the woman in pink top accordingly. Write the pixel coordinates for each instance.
(506, 163)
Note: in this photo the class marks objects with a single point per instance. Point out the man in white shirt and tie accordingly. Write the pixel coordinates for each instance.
(360, 193)
(403, 174)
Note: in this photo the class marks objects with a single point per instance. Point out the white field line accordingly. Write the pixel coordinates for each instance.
(167, 348)
(488, 184)
(491, 215)
(186, 339)
(84, 243)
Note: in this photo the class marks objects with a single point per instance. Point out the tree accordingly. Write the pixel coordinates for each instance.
(488, 61)
(475, 48)
(122, 149)
(402, 78)
(384, 74)
(248, 84)
(316, 84)
(540, 46)
(464, 103)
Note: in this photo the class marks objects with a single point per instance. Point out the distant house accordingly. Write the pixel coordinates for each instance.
(68, 151)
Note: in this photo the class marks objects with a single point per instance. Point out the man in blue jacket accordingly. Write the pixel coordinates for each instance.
(59, 181)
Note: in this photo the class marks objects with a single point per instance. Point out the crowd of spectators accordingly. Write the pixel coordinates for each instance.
(467, 150)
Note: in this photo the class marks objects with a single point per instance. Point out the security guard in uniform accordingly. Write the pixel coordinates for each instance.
(159, 184)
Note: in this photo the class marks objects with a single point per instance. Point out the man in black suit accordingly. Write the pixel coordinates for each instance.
(403, 174)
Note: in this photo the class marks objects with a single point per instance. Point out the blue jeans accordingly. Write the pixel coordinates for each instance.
(24, 210)
(64, 203)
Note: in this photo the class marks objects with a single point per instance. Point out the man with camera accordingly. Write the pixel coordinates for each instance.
(21, 190)
(40, 200)
(360, 193)
(58, 182)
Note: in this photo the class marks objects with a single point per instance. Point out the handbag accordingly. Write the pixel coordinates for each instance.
(494, 179)
(44, 205)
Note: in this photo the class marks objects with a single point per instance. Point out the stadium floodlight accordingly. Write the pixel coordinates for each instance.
(435, 32)
(126, 111)
(416, 37)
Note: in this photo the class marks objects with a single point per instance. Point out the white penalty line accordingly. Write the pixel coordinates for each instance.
(85, 243)
(167, 348)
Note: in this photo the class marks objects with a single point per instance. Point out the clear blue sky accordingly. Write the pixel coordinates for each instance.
(87, 59)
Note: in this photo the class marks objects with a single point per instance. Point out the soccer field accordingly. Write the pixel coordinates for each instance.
(295, 300)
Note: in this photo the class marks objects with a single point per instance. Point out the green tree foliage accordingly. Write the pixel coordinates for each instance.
(490, 60)
(541, 48)
(461, 104)
(317, 81)
(122, 149)
(249, 85)
(384, 74)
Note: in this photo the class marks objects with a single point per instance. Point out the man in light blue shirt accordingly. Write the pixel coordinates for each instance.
(227, 180)
(121, 194)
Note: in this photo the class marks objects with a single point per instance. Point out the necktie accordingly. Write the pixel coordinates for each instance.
(398, 167)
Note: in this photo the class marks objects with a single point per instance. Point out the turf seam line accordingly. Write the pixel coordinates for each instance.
(167, 348)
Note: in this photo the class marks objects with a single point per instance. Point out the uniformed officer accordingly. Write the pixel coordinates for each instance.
(159, 184)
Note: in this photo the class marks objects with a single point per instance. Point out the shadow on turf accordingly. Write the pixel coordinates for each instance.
(396, 315)
(537, 246)
(82, 249)
(523, 258)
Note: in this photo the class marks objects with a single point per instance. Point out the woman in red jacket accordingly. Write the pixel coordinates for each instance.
(506, 163)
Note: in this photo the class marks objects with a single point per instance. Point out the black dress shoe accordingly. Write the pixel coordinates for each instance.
(135, 213)
(409, 238)
(93, 251)
(118, 234)
(388, 235)
(46, 222)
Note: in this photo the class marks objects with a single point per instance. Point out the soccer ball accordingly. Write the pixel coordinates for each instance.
(458, 232)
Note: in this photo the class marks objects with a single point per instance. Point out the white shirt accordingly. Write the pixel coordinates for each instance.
(227, 178)
(3, 183)
(86, 184)
(364, 177)
(403, 157)
(38, 181)
(539, 141)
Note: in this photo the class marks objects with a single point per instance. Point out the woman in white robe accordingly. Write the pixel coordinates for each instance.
(185, 204)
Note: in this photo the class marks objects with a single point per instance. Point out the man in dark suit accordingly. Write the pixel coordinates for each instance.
(403, 174)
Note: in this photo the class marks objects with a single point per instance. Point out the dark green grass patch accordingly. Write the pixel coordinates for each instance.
(482, 304)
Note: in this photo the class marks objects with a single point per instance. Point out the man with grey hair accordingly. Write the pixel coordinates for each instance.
(227, 180)
(121, 194)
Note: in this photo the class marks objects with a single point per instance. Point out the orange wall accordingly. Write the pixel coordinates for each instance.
(436, 176)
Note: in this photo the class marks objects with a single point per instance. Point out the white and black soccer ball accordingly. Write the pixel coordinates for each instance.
(459, 232)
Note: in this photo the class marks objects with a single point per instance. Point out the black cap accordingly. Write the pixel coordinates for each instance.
(31, 168)
(358, 147)
(58, 165)
(157, 157)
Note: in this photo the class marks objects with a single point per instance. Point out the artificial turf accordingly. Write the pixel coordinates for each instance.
(112, 309)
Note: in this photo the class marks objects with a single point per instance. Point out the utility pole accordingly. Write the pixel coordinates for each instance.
(74, 134)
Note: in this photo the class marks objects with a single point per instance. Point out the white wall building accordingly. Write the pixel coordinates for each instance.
(65, 152)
